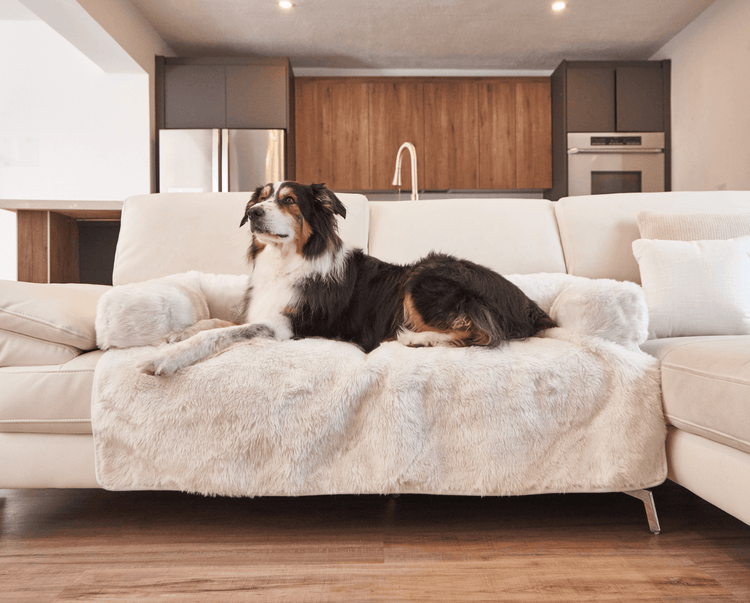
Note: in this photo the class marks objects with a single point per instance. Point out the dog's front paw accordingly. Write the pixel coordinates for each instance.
(160, 365)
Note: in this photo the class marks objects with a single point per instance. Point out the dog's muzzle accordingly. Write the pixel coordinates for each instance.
(257, 216)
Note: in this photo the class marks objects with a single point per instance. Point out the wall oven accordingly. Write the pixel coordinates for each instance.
(601, 163)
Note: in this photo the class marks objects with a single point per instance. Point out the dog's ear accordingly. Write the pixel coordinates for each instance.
(253, 200)
(328, 199)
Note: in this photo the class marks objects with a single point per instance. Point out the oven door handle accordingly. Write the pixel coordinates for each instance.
(575, 151)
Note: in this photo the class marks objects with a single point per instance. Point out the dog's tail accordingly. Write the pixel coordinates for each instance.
(496, 328)
(539, 318)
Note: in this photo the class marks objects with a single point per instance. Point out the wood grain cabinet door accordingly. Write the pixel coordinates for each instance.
(451, 133)
(497, 135)
(533, 135)
(331, 134)
(312, 105)
(396, 116)
(350, 154)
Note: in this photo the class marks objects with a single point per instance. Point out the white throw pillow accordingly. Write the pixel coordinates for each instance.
(695, 287)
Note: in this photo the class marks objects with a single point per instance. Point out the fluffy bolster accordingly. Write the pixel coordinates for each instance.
(147, 313)
(613, 310)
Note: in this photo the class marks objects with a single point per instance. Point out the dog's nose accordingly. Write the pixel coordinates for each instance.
(256, 212)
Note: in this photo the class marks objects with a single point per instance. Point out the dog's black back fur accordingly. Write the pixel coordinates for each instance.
(366, 306)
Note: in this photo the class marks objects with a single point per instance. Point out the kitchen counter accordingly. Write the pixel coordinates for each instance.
(466, 194)
(82, 210)
(65, 241)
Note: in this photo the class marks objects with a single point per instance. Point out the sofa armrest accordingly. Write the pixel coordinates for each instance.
(46, 323)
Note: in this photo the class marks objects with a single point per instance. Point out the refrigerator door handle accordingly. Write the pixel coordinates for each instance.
(225, 160)
(215, 160)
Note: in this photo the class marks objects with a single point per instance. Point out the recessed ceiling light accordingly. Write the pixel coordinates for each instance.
(558, 6)
(285, 4)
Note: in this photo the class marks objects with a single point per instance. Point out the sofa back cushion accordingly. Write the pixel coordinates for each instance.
(169, 233)
(512, 236)
(598, 231)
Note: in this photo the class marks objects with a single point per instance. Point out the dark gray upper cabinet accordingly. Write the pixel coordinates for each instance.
(639, 99)
(615, 97)
(195, 96)
(591, 100)
(224, 93)
(256, 96)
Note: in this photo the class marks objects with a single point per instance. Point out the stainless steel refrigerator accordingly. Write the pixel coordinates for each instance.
(219, 160)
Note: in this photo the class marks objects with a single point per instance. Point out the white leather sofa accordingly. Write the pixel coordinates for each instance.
(48, 344)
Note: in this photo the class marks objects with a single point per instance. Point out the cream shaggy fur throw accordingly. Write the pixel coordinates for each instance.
(578, 410)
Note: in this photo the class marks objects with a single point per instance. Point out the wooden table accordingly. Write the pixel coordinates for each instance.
(49, 235)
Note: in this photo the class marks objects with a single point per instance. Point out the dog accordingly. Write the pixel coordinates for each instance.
(305, 282)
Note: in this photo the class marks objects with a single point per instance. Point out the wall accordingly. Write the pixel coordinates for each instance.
(86, 132)
(710, 99)
(135, 35)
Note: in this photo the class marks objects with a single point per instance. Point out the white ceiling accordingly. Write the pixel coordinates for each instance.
(421, 34)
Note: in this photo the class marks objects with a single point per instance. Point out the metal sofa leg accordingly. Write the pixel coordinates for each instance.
(648, 501)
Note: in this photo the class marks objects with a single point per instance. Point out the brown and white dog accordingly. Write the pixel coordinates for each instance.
(305, 282)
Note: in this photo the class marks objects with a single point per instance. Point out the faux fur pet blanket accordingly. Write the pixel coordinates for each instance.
(568, 412)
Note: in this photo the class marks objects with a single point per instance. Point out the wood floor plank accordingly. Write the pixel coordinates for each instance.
(92, 545)
(551, 579)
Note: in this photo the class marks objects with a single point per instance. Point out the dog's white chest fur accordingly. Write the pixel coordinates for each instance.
(274, 275)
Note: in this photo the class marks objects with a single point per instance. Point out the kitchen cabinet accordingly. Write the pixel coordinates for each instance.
(451, 138)
(350, 141)
(533, 136)
(256, 96)
(515, 135)
(314, 120)
(639, 99)
(342, 124)
(333, 134)
(195, 96)
(497, 135)
(224, 93)
(590, 100)
(615, 97)
(470, 133)
(396, 115)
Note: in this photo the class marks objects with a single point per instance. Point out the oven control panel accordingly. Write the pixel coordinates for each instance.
(609, 142)
(616, 140)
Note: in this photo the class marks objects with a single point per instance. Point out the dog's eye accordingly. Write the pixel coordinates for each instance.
(288, 200)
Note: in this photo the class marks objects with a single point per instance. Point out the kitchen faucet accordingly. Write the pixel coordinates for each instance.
(397, 175)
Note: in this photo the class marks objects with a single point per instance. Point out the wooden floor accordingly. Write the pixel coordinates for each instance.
(91, 545)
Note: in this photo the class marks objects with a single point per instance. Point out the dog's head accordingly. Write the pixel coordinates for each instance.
(283, 212)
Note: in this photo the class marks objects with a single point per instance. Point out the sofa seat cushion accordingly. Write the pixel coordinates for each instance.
(50, 398)
(23, 350)
(706, 386)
